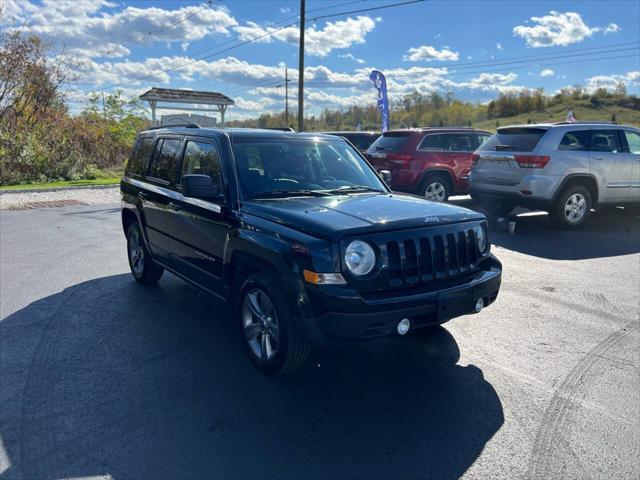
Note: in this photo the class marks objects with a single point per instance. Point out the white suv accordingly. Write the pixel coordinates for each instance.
(563, 168)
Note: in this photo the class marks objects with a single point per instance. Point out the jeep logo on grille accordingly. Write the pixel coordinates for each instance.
(431, 219)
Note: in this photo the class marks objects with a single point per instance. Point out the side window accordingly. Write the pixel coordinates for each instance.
(165, 161)
(432, 143)
(461, 143)
(633, 140)
(479, 140)
(140, 157)
(576, 141)
(605, 141)
(202, 158)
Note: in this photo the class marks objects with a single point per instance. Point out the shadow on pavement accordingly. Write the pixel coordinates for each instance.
(608, 233)
(109, 377)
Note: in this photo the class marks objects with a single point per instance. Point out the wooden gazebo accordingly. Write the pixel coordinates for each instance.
(163, 98)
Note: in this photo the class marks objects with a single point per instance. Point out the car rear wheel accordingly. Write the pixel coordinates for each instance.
(436, 187)
(143, 268)
(270, 338)
(573, 207)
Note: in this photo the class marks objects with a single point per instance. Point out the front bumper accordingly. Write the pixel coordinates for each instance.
(348, 316)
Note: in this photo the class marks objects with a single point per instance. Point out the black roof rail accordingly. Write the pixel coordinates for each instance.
(280, 129)
(176, 125)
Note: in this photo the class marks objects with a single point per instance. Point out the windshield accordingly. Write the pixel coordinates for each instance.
(274, 167)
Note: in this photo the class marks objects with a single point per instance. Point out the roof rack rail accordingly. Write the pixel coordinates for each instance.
(175, 125)
(587, 122)
(281, 129)
(447, 127)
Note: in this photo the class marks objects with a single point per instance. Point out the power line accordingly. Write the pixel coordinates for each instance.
(260, 37)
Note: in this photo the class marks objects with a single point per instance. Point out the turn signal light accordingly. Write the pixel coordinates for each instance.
(532, 161)
(474, 158)
(399, 159)
(323, 278)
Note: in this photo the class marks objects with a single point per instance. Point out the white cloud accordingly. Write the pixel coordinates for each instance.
(558, 29)
(609, 82)
(85, 25)
(351, 56)
(499, 46)
(428, 53)
(285, 10)
(334, 35)
(547, 72)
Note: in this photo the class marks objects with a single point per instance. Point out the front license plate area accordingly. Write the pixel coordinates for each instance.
(454, 304)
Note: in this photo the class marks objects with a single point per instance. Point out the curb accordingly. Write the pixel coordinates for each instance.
(58, 189)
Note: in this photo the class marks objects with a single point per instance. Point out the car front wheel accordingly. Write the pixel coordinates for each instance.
(573, 207)
(270, 338)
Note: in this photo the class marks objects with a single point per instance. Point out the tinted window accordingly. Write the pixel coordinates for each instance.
(480, 139)
(576, 141)
(361, 141)
(140, 157)
(605, 141)
(165, 160)
(202, 158)
(432, 143)
(461, 142)
(390, 142)
(633, 140)
(514, 139)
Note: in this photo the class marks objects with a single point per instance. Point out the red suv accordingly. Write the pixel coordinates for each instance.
(432, 162)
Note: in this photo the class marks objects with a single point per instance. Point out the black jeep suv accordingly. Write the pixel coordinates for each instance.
(300, 233)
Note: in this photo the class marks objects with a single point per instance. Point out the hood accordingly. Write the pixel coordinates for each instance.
(338, 216)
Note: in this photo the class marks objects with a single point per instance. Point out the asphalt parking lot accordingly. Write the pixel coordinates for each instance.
(102, 377)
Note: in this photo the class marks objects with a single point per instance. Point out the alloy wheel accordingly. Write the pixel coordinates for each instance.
(260, 324)
(575, 208)
(136, 253)
(435, 191)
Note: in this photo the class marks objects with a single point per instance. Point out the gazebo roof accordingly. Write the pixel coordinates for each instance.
(174, 95)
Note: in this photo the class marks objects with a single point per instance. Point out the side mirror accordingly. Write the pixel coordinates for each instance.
(386, 176)
(200, 186)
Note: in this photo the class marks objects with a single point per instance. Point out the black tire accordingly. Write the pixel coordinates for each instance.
(290, 351)
(436, 185)
(148, 271)
(497, 208)
(572, 208)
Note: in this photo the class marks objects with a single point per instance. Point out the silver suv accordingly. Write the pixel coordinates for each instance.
(563, 168)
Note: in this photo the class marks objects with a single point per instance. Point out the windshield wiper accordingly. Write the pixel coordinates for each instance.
(355, 188)
(289, 193)
(504, 147)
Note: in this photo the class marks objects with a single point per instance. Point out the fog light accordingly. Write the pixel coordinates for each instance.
(403, 326)
(479, 305)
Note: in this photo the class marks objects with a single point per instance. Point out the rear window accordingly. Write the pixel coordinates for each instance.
(140, 157)
(361, 141)
(390, 142)
(514, 140)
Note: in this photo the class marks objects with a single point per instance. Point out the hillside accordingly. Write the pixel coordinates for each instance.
(582, 109)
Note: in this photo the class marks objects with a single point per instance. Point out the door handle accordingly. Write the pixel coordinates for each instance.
(598, 158)
(174, 206)
(143, 195)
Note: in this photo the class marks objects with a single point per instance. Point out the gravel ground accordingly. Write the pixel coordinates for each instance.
(88, 196)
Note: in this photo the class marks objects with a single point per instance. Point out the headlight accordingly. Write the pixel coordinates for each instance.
(481, 238)
(359, 257)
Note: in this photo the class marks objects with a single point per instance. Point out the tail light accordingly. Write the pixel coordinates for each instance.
(532, 161)
(399, 158)
(474, 158)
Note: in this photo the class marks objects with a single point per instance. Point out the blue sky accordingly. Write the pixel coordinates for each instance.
(429, 46)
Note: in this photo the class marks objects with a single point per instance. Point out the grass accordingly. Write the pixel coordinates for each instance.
(67, 183)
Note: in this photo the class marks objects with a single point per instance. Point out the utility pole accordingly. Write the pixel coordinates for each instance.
(301, 71)
(286, 97)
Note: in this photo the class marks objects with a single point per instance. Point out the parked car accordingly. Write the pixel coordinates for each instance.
(432, 162)
(361, 140)
(563, 168)
(301, 235)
